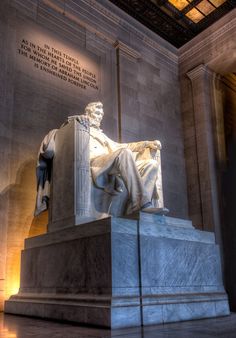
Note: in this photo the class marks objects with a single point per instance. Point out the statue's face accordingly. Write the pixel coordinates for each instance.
(96, 115)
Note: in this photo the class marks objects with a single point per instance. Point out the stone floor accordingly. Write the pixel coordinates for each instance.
(21, 327)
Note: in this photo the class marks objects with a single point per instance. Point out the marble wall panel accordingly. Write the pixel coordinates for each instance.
(31, 105)
(89, 258)
(154, 111)
(6, 99)
(125, 262)
(212, 49)
(198, 264)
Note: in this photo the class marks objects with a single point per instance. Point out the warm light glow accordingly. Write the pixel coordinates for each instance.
(13, 272)
(180, 4)
(7, 333)
(200, 11)
(205, 7)
(217, 3)
(195, 15)
(14, 287)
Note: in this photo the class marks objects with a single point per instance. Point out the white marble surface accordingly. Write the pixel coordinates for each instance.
(110, 271)
(149, 218)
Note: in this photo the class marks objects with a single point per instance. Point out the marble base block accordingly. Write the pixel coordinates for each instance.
(118, 272)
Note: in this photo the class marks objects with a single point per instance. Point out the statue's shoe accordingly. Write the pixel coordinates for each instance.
(156, 211)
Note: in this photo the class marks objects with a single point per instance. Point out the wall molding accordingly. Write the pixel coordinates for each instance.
(141, 32)
(218, 33)
(112, 16)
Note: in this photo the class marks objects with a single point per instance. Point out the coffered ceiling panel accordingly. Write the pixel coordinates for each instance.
(177, 21)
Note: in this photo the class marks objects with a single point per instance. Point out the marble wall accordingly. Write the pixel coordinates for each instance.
(136, 78)
(228, 186)
(202, 64)
(212, 52)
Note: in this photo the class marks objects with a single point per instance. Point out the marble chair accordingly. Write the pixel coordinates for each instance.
(71, 178)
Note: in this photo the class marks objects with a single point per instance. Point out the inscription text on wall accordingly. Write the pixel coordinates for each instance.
(58, 64)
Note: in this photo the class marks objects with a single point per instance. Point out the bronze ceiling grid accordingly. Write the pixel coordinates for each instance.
(169, 22)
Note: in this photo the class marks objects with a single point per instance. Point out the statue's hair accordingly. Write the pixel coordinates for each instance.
(91, 106)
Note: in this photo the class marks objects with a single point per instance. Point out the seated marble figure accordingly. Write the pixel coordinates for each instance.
(116, 168)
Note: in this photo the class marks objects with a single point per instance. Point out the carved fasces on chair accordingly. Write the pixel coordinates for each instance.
(70, 198)
(82, 177)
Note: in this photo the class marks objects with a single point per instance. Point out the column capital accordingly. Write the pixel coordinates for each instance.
(230, 80)
(198, 72)
(127, 50)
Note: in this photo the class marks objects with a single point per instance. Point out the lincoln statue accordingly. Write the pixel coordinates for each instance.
(115, 167)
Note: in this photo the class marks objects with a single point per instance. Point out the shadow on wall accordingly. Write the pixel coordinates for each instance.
(39, 225)
(229, 232)
(18, 201)
(228, 181)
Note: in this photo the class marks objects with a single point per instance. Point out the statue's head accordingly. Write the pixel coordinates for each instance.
(94, 111)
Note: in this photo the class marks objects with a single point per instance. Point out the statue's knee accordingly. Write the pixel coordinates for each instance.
(153, 163)
(126, 152)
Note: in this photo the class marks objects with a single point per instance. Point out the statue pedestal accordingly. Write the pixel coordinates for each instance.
(118, 272)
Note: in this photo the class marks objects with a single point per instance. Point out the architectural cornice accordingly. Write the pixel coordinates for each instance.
(120, 20)
(142, 33)
(103, 20)
(218, 32)
(70, 14)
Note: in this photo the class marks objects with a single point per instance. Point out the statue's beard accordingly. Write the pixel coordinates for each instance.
(94, 123)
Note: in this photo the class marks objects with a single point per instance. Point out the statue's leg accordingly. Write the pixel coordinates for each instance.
(125, 165)
(148, 170)
(121, 162)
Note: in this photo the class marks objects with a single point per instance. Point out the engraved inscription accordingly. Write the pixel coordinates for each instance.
(58, 64)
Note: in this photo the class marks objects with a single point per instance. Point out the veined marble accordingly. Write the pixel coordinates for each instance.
(120, 272)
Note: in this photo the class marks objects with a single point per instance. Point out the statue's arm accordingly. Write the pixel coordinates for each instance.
(140, 146)
(134, 146)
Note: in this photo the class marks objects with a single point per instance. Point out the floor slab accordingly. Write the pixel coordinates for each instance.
(12, 326)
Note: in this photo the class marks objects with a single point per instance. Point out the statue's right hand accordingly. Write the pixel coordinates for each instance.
(154, 145)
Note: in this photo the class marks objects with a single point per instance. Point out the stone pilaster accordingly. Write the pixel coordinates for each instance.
(218, 107)
(122, 50)
(201, 80)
